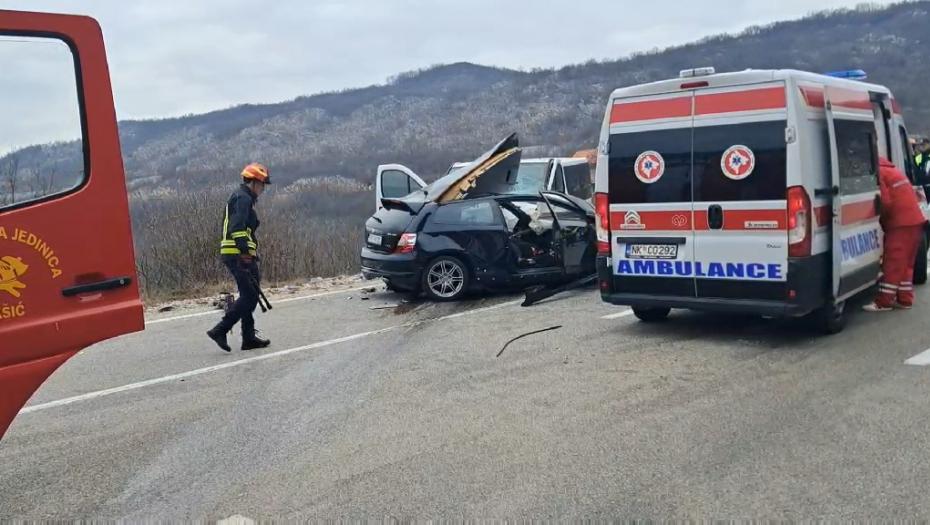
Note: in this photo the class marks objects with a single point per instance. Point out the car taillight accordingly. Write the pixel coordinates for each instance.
(406, 243)
(602, 211)
(799, 222)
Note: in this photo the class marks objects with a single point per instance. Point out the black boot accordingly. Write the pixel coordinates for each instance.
(250, 341)
(219, 337)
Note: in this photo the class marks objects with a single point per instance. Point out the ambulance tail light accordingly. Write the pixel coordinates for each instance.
(799, 222)
(602, 220)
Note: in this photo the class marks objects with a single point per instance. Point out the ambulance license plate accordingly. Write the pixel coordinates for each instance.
(374, 239)
(651, 251)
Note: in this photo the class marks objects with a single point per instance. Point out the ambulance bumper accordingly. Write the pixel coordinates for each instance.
(706, 304)
(806, 276)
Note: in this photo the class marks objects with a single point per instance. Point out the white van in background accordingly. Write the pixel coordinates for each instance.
(569, 175)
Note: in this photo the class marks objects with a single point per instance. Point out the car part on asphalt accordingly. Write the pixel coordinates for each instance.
(526, 334)
(534, 294)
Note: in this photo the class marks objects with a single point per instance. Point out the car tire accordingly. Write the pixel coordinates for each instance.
(920, 264)
(651, 315)
(445, 278)
(830, 319)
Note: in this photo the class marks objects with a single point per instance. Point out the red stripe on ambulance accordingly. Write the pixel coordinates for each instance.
(843, 98)
(673, 220)
(681, 220)
(679, 107)
(736, 101)
(745, 220)
(853, 213)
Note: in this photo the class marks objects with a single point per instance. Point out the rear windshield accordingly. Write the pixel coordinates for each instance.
(665, 158)
(765, 141)
(673, 181)
(391, 220)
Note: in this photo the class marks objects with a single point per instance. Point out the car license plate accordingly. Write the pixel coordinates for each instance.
(374, 239)
(651, 251)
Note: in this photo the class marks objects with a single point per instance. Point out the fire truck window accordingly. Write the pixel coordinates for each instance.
(42, 151)
(858, 160)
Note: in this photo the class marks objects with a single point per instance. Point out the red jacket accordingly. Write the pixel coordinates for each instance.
(899, 200)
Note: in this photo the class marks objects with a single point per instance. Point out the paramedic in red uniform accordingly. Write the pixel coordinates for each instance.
(903, 222)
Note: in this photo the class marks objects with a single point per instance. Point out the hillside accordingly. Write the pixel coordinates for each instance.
(430, 118)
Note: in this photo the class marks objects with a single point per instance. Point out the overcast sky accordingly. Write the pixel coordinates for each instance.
(172, 57)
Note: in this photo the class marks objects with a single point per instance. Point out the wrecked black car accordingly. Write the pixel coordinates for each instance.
(470, 231)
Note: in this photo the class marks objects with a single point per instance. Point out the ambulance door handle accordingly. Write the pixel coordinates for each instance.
(833, 192)
(715, 217)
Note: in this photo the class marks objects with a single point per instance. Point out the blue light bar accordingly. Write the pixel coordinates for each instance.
(853, 74)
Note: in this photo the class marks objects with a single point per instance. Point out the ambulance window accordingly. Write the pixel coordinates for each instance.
(856, 156)
(674, 182)
(758, 145)
(909, 164)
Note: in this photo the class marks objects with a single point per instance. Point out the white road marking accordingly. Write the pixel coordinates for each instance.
(921, 359)
(240, 362)
(617, 315)
(277, 301)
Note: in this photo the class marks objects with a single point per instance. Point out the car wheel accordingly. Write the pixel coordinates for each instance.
(920, 265)
(651, 315)
(445, 278)
(830, 319)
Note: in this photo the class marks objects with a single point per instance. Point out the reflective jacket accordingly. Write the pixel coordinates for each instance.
(239, 224)
(900, 207)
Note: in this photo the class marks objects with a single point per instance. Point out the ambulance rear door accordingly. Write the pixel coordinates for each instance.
(649, 194)
(740, 192)
(856, 234)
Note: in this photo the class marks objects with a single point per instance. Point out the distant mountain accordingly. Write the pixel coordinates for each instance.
(430, 118)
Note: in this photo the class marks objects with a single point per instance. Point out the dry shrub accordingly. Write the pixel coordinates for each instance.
(178, 232)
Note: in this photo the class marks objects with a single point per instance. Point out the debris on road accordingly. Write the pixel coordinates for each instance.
(538, 293)
(556, 327)
(383, 306)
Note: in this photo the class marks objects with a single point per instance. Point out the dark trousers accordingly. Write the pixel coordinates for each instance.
(245, 304)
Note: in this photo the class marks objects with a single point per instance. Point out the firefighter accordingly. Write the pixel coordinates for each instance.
(922, 157)
(902, 221)
(239, 252)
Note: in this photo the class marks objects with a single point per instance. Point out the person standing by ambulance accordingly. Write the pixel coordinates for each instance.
(239, 252)
(903, 222)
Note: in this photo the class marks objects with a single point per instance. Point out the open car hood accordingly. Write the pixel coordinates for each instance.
(494, 172)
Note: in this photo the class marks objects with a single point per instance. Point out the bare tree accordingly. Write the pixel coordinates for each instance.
(9, 179)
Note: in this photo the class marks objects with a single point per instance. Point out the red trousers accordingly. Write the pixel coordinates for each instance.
(898, 257)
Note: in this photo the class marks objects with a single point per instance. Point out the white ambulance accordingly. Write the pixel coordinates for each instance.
(748, 192)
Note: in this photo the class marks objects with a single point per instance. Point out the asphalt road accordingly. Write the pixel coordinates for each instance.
(354, 412)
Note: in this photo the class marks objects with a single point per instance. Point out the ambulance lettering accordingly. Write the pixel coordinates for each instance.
(860, 244)
(758, 271)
